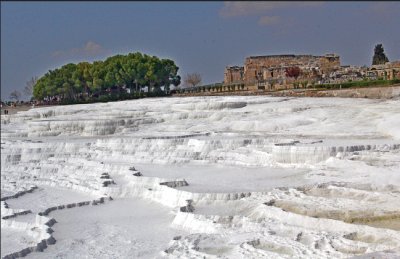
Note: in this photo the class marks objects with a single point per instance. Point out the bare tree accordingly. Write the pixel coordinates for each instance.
(193, 79)
(28, 89)
(15, 95)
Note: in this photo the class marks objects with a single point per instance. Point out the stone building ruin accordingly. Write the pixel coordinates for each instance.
(234, 74)
(270, 72)
(389, 70)
(280, 72)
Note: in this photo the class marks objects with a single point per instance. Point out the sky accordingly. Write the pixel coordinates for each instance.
(201, 37)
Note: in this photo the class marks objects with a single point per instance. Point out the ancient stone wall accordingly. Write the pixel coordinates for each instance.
(390, 70)
(233, 74)
(270, 67)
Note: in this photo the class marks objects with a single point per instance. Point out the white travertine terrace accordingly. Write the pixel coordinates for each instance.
(228, 177)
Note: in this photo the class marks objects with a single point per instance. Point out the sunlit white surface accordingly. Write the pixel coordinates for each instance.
(266, 177)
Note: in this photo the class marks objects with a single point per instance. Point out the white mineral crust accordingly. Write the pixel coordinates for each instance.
(226, 177)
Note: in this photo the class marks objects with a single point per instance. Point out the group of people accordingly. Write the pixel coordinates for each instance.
(5, 110)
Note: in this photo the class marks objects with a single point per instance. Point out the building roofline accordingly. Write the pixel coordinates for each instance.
(292, 56)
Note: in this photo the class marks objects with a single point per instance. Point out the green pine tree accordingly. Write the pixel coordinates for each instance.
(379, 55)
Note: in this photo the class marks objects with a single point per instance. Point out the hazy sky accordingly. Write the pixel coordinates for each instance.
(201, 37)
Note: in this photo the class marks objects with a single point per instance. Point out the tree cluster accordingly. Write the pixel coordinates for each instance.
(133, 71)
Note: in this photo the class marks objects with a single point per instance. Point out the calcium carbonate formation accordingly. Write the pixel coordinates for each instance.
(226, 177)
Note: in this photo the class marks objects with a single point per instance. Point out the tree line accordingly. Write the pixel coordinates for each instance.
(133, 71)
